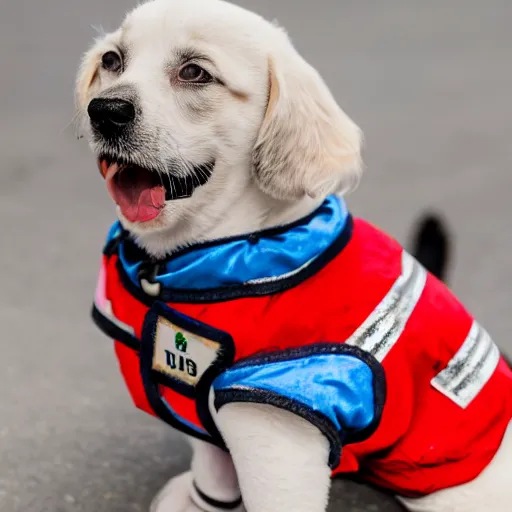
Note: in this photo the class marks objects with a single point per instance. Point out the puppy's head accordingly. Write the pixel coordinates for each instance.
(191, 103)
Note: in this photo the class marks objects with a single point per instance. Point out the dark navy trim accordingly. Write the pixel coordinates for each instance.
(152, 379)
(336, 438)
(379, 381)
(114, 331)
(222, 505)
(237, 291)
(181, 387)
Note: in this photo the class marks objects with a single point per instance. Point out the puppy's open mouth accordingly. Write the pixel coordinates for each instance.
(141, 193)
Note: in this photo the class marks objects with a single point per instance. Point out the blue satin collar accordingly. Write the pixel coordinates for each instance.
(258, 257)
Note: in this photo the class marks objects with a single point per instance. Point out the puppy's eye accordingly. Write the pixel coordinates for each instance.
(111, 61)
(195, 74)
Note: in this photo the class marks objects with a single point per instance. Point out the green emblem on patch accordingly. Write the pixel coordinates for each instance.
(181, 342)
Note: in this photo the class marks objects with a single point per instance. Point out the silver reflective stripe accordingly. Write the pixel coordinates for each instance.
(470, 368)
(382, 329)
(282, 276)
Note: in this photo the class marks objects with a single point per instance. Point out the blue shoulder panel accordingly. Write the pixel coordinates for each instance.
(113, 236)
(337, 387)
(114, 231)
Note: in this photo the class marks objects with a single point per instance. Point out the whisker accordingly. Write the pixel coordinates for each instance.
(75, 117)
(173, 190)
(204, 174)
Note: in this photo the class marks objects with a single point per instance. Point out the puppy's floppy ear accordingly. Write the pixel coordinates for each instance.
(306, 144)
(88, 75)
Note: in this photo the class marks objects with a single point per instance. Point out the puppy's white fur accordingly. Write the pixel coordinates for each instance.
(276, 159)
(281, 144)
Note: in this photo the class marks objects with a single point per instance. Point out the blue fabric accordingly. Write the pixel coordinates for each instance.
(262, 257)
(183, 420)
(340, 386)
(114, 231)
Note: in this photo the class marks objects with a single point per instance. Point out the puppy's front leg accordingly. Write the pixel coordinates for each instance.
(281, 459)
(210, 486)
(215, 484)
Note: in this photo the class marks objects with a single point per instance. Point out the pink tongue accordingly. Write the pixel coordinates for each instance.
(148, 205)
(138, 199)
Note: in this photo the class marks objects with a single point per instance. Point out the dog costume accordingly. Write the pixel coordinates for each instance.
(328, 318)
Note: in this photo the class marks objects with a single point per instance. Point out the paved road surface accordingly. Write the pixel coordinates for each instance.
(430, 84)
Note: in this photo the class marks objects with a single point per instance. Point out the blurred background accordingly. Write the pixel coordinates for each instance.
(429, 83)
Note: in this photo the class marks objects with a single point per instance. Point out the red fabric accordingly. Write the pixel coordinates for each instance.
(424, 442)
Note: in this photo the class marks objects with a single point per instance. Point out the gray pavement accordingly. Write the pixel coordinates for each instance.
(429, 83)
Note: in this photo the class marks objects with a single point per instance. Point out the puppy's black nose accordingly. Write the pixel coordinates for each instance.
(110, 116)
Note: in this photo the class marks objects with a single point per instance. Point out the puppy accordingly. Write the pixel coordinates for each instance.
(249, 309)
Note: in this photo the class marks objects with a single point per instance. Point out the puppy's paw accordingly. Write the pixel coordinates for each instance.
(176, 496)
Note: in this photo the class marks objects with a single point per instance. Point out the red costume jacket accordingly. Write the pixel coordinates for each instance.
(359, 339)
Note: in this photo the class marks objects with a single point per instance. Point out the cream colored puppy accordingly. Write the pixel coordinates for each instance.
(227, 130)
(268, 167)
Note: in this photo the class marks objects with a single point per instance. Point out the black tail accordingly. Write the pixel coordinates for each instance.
(431, 245)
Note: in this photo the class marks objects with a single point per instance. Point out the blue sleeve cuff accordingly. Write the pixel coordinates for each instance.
(338, 388)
